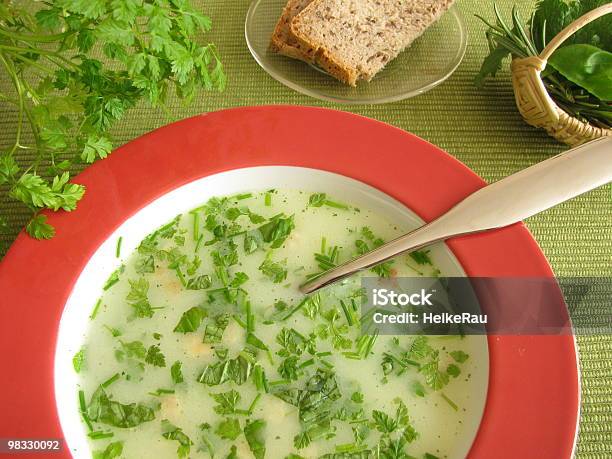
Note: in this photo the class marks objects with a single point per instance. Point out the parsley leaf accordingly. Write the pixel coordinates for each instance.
(433, 376)
(453, 370)
(214, 331)
(290, 340)
(190, 320)
(155, 357)
(419, 348)
(96, 147)
(393, 449)
(38, 228)
(459, 356)
(36, 193)
(113, 278)
(138, 298)
(176, 373)
(275, 271)
(199, 283)
(71, 106)
(370, 242)
(145, 265)
(204, 428)
(277, 230)
(417, 388)
(251, 243)
(233, 454)
(133, 349)
(102, 409)
(320, 199)
(288, 368)
(317, 199)
(226, 402)
(229, 428)
(171, 432)
(111, 451)
(254, 434)
(78, 360)
(234, 212)
(8, 169)
(421, 257)
(383, 422)
(237, 370)
(314, 402)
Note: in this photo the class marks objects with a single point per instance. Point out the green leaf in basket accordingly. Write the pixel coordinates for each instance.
(491, 64)
(588, 66)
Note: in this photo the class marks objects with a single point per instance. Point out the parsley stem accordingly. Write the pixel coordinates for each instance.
(33, 63)
(248, 357)
(295, 309)
(161, 391)
(196, 227)
(350, 448)
(449, 401)
(253, 403)
(42, 52)
(110, 283)
(197, 246)
(250, 319)
(100, 435)
(336, 205)
(239, 321)
(19, 89)
(370, 343)
(306, 363)
(83, 410)
(403, 363)
(348, 314)
(118, 248)
(94, 313)
(259, 377)
(33, 37)
(111, 380)
(179, 274)
(358, 421)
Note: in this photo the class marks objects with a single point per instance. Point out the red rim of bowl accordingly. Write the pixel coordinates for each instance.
(533, 396)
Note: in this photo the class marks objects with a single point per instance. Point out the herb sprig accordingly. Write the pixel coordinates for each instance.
(68, 99)
(579, 74)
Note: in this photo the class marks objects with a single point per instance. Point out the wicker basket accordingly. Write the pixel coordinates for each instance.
(534, 102)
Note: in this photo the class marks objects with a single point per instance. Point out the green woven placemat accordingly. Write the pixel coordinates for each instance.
(482, 128)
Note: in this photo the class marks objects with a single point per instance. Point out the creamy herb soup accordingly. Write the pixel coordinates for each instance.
(202, 346)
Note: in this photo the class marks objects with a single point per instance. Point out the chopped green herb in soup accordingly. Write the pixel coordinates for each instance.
(202, 346)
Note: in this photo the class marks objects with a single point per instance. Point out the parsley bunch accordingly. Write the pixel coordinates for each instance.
(68, 98)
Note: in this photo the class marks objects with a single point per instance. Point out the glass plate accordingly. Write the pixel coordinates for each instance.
(431, 59)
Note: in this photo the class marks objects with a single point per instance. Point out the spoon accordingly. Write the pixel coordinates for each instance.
(500, 204)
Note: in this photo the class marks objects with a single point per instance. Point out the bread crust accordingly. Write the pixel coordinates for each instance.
(283, 41)
(320, 55)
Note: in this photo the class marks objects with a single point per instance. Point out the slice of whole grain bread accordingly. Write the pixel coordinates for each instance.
(355, 39)
(282, 40)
